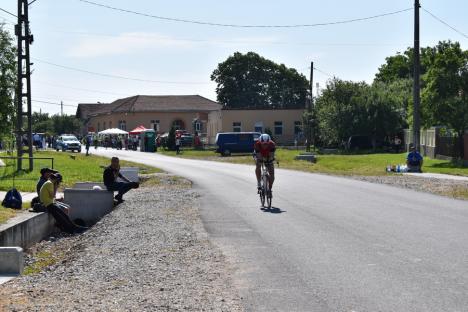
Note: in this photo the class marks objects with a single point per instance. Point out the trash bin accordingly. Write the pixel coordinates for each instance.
(148, 138)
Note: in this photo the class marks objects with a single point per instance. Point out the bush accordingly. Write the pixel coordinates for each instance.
(170, 144)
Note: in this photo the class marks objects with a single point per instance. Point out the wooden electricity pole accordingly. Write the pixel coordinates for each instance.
(416, 81)
(310, 104)
(23, 92)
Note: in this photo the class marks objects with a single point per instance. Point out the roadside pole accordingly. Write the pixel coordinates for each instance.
(416, 78)
(309, 108)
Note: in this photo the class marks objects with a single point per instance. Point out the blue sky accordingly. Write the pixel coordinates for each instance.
(75, 34)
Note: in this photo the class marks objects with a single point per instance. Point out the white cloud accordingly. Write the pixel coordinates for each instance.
(125, 43)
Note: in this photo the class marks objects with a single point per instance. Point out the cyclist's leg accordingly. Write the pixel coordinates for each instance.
(271, 171)
(258, 171)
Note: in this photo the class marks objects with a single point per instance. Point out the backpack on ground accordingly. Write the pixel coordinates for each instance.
(13, 199)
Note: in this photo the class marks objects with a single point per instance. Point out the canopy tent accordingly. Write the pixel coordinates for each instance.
(113, 131)
(138, 130)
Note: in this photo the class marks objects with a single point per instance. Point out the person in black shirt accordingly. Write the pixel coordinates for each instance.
(110, 176)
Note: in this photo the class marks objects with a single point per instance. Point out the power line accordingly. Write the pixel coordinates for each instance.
(325, 73)
(445, 23)
(54, 103)
(216, 41)
(80, 89)
(117, 76)
(180, 20)
(8, 12)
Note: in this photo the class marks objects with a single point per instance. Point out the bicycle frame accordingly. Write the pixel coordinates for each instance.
(264, 192)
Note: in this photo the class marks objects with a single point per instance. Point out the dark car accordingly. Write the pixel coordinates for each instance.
(357, 142)
(236, 142)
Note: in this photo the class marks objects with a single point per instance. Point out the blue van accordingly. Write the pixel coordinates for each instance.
(236, 142)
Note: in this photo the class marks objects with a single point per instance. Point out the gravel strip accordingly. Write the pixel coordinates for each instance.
(150, 254)
(430, 185)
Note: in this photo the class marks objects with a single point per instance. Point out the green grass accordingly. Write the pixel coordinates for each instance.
(7, 213)
(368, 164)
(43, 259)
(79, 168)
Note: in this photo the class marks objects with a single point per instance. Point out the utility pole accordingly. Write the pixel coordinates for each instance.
(61, 108)
(416, 81)
(309, 108)
(23, 93)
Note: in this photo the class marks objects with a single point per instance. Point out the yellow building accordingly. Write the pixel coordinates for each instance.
(192, 113)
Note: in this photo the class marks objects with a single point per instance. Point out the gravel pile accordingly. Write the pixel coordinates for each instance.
(431, 185)
(150, 254)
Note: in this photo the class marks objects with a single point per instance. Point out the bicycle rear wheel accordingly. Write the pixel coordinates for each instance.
(262, 197)
(268, 196)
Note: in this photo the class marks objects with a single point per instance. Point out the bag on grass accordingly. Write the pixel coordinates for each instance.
(13, 199)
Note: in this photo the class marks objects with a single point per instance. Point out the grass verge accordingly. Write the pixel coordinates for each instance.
(74, 168)
(367, 164)
(43, 259)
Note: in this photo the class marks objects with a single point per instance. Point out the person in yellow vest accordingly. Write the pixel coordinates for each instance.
(47, 198)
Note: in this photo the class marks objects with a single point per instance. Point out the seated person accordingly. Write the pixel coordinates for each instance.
(414, 161)
(45, 173)
(110, 176)
(47, 198)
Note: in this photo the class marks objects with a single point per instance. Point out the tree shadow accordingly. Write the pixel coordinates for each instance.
(273, 210)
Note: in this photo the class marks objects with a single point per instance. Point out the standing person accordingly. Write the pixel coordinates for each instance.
(47, 198)
(110, 176)
(87, 144)
(177, 145)
(264, 150)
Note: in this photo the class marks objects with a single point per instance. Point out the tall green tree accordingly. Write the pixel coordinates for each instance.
(7, 81)
(252, 81)
(445, 97)
(348, 108)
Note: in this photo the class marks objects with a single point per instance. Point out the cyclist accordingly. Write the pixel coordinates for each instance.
(264, 151)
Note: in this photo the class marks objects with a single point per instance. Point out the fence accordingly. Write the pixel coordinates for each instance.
(10, 177)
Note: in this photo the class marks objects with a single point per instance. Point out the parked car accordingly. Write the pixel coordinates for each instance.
(68, 143)
(356, 142)
(236, 142)
(186, 138)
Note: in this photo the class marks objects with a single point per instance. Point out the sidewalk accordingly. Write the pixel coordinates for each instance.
(26, 196)
(428, 175)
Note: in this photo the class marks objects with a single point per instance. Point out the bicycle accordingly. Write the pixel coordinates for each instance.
(264, 191)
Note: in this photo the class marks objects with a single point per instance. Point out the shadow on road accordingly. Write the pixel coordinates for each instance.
(274, 210)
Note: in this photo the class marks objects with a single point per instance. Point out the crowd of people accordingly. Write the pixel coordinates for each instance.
(49, 183)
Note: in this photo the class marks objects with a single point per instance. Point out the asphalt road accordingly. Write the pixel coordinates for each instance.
(330, 243)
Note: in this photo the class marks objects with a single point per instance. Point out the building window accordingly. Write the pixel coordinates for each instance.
(110, 124)
(278, 128)
(155, 125)
(297, 127)
(123, 125)
(258, 127)
(237, 127)
(104, 125)
(98, 127)
(178, 124)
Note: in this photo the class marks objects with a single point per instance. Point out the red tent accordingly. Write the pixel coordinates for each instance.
(138, 130)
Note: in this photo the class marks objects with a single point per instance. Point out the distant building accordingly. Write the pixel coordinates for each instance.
(192, 113)
(160, 113)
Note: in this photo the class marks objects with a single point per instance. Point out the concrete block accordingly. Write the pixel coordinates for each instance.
(130, 173)
(307, 157)
(11, 260)
(88, 206)
(26, 229)
(88, 185)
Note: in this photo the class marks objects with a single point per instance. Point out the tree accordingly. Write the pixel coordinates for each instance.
(65, 124)
(445, 97)
(7, 81)
(348, 108)
(251, 81)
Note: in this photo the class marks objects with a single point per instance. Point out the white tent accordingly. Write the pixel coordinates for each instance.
(113, 131)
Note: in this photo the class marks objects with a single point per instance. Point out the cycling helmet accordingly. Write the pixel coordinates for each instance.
(264, 138)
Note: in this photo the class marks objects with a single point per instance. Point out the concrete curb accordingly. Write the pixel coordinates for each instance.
(11, 261)
(26, 229)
